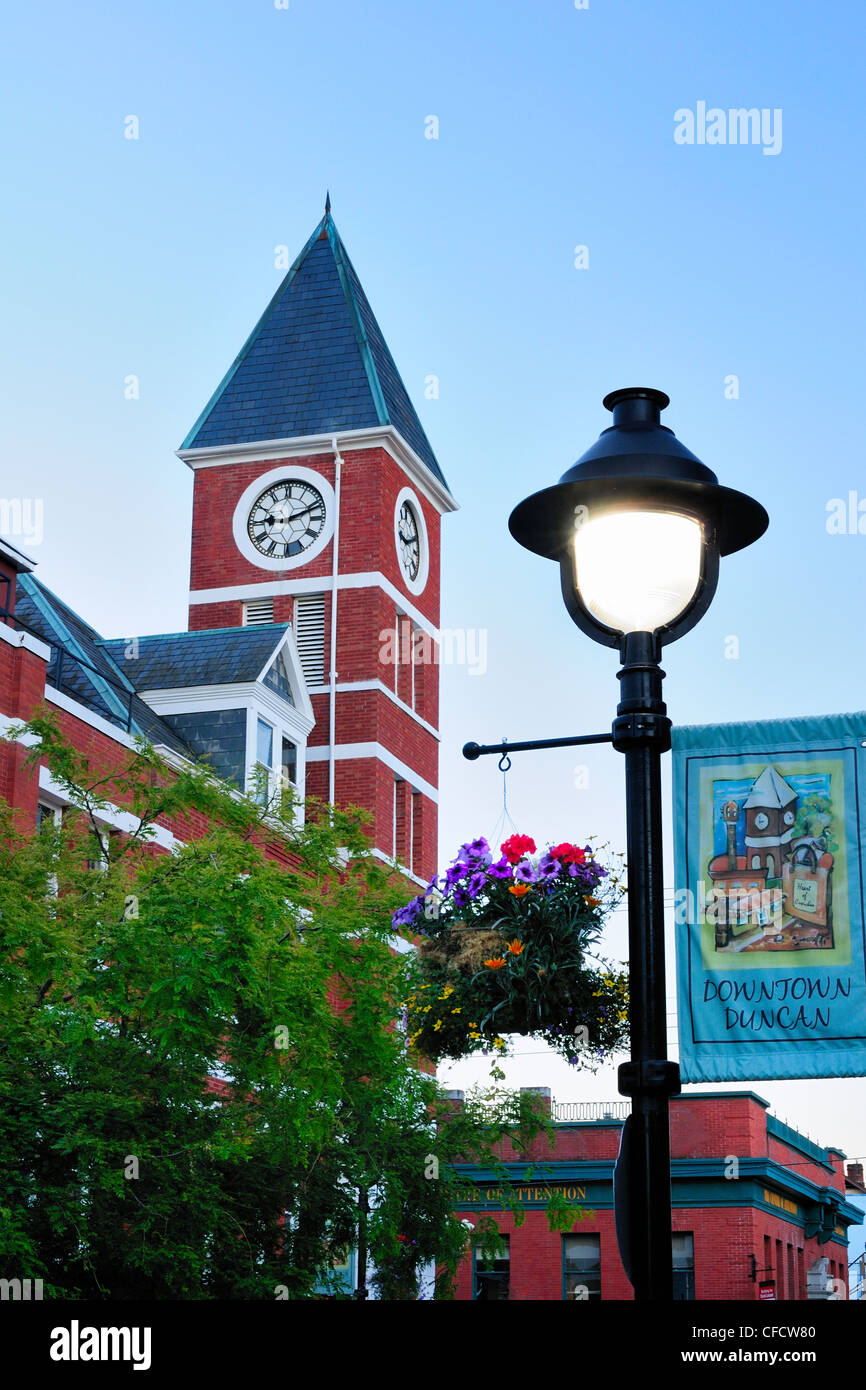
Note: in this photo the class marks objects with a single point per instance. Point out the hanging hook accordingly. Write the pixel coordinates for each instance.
(504, 763)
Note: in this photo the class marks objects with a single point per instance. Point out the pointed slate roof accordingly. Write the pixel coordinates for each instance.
(315, 363)
(770, 790)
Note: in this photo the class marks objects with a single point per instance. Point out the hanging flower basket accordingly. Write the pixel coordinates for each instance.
(506, 948)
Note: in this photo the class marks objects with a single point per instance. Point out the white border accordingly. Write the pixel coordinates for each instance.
(288, 473)
(305, 445)
(318, 584)
(418, 585)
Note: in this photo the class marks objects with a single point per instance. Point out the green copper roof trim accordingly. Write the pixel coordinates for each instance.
(195, 632)
(283, 285)
(341, 257)
(111, 698)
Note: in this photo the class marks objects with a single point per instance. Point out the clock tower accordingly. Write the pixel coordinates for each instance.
(318, 502)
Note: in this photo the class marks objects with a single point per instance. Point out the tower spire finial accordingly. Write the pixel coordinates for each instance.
(327, 202)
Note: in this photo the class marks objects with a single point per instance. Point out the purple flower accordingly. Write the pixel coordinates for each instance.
(476, 884)
(477, 851)
(408, 915)
(457, 871)
(548, 867)
(501, 869)
(525, 873)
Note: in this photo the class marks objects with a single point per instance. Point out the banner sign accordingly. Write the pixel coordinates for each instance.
(768, 903)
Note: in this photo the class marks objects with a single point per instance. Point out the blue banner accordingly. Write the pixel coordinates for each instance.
(768, 903)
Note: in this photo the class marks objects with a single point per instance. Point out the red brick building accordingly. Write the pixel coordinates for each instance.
(312, 651)
(759, 1210)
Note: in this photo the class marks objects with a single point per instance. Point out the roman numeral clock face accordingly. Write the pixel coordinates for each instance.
(286, 519)
(409, 541)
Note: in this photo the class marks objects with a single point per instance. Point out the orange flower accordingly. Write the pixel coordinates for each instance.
(516, 946)
(519, 889)
(495, 963)
(593, 902)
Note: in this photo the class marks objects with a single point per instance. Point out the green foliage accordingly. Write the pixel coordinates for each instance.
(815, 817)
(128, 976)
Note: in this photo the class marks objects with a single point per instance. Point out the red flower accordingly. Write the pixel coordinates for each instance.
(517, 846)
(568, 854)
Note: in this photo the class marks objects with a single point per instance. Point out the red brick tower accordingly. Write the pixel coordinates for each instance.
(318, 501)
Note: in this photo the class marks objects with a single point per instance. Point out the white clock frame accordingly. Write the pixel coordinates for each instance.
(288, 473)
(419, 583)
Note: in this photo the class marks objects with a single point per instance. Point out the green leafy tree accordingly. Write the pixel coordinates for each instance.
(258, 953)
(815, 817)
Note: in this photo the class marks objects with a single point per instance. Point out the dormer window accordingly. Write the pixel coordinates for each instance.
(278, 679)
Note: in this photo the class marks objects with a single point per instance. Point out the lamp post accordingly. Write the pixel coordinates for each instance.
(637, 527)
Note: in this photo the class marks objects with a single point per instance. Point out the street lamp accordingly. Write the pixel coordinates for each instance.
(637, 527)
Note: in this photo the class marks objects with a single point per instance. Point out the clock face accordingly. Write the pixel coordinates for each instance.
(409, 540)
(761, 821)
(789, 817)
(286, 519)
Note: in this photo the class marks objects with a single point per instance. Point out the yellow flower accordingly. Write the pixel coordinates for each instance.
(426, 1009)
(457, 1011)
(437, 1025)
(449, 989)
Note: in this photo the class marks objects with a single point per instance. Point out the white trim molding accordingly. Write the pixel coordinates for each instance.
(16, 638)
(297, 446)
(320, 584)
(345, 752)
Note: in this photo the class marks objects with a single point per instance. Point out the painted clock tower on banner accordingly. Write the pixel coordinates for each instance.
(318, 502)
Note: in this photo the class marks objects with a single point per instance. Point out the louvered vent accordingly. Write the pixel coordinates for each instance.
(310, 636)
(258, 610)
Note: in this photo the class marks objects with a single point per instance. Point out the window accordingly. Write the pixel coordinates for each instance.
(278, 679)
(264, 743)
(289, 762)
(219, 736)
(492, 1277)
(47, 817)
(264, 760)
(684, 1265)
(581, 1267)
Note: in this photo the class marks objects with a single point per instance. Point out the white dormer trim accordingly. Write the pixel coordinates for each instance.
(288, 643)
(194, 698)
(296, 446)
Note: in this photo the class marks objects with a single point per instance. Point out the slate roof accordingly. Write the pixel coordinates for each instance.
(315, 363)
(172, 660)
(82, 668)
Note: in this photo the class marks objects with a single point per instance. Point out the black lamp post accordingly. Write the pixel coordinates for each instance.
(637, 526)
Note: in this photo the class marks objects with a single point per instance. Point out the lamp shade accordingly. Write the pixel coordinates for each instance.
(637, 526)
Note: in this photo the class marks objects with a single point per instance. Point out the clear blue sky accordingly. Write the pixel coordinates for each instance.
(155, 256)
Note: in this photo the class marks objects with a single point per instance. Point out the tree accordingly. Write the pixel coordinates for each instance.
(257, 953)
